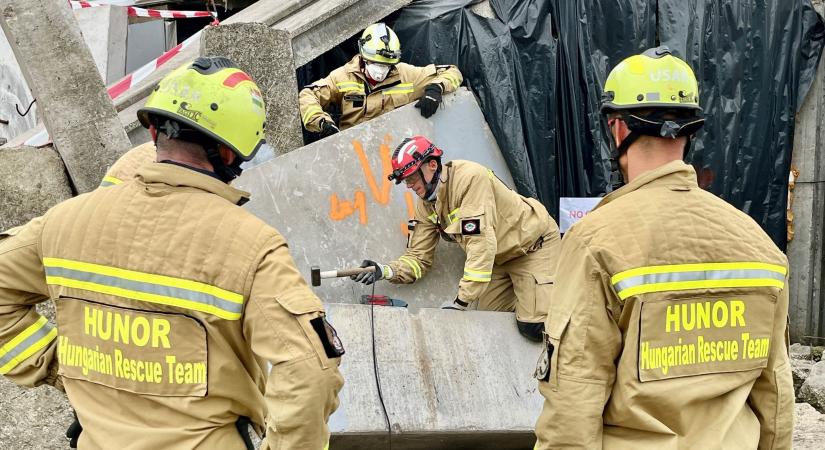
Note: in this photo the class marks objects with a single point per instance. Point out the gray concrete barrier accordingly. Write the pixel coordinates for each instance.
(333, 203)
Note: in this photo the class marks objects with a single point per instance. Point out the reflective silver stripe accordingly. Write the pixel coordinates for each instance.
(41, 333)
(148, 288)
(700, 275)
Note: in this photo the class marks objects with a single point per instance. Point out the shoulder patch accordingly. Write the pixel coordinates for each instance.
(470, 226)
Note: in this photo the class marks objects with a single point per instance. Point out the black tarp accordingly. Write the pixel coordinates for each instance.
(537, 67)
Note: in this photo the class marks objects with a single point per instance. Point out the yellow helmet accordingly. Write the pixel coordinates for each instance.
(654, 79)
(214, 98)
(378, 43)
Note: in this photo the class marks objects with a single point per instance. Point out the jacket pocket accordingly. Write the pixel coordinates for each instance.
(544, 293)
(556, 325)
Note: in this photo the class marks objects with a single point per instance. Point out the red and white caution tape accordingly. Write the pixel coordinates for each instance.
(117, 89)
(140, 12)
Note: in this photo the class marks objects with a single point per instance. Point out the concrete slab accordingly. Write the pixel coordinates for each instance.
(32, 180)
(266, 55)
(77, 111)
(334, 204)
(455, 379)
(360, 421)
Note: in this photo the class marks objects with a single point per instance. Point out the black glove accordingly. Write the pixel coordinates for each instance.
(430, 101)
(328, 128)
(73, 433)
(369, 277)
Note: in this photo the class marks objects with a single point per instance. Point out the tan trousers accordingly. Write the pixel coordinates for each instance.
(523, 285)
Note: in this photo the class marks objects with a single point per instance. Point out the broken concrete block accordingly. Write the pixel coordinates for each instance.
(813, 389)
(801, 369)
(799, 351)
(816, 353)
(333, 203)
(809, 428)
(32, 180)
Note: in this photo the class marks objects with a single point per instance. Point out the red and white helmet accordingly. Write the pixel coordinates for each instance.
(409, 155)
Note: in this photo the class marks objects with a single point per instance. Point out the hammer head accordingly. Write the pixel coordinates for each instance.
(315, 275)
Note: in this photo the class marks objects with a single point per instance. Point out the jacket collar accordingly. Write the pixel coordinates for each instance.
(675, 173)
(156, 175)
(353, 67)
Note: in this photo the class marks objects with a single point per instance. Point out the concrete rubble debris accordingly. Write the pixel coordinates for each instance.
(801, 369)
(799, 351)
(809, 428)
(813, 389)
(32, 180)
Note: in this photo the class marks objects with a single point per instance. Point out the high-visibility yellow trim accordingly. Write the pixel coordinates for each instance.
(403, 88)
(695, 268)
(703, 284)
(416, 268)
(109, 180)
(433, 218)
(477, 275)
(451, 79)
(143, 296)
(47, 334)
(161, 280)
(453, 215)
(311, 112)
(351, 89)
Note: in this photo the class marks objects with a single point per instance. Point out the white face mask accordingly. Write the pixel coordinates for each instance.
(377, 72)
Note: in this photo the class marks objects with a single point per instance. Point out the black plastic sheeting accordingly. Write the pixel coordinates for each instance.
(537, 67)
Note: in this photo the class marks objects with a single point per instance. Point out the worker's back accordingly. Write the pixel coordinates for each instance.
(152, 278)
(701, 307)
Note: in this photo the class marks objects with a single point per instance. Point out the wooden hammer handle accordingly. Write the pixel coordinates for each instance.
(346, 272)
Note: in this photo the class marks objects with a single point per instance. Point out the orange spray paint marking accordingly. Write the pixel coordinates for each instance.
(341, 209)
(382, 196)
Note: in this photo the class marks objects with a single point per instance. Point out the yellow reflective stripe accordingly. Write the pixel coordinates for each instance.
(311, 112)
(477, 275)
(350, 89)
(403, 88)
(453, 215)
(413, 265)
(31, 340)
(451, 79)
(109, 180)
(433, 218)
(326, 447)
(696, 267)
(490, 174)
(676, 277)
(349, 85)
(147, 287)
(687, 285)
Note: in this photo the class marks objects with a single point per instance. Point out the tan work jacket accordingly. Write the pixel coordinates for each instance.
(347, 87)
(668, 326)
(171, 302)
(492, 223)
(126, 166)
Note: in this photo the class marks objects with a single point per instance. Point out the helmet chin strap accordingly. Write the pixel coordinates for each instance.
(616, 177)
(430, 194)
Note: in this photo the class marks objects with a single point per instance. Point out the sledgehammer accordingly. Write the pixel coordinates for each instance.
(317, 275)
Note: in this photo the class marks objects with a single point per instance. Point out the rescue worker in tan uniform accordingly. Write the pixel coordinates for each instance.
(511, 241)
(668, 323)
(374, 82)
(181, 317)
